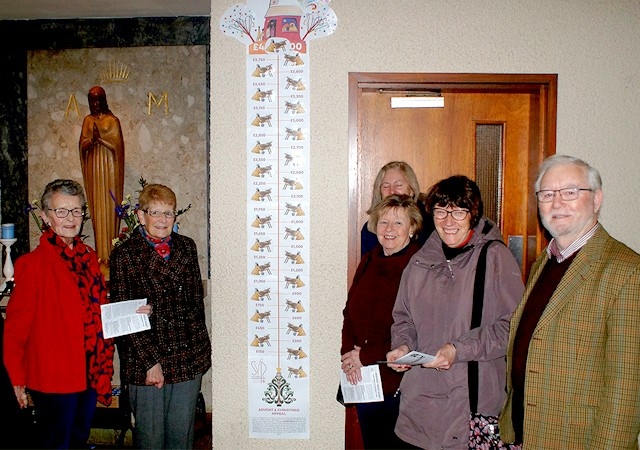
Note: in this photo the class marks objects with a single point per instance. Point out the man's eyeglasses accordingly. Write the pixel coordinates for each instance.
(61, 213)
(567, 194)
(457, 214)
(156, 213)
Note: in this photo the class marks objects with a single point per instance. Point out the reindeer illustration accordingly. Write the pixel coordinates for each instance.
(297, 373)
(261, 269)
(261, 95)
(293, 234)
(295, 135)
(294, 306)
(261, 171)
(262, 148)
(293, 59)
(261, 222)
(296, 353)
(261, 246)
(262, 195)
(295, 108)
(295, 258)
(261, 316)
(262, 71)
(294, 210)
(293, 282)
(297, 330)
(295, 84)
(260, 121)
(261, 295)
(261, 341)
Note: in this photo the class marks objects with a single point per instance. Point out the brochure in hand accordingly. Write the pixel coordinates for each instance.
(413, 358)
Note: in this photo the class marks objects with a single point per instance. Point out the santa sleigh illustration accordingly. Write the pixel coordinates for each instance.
(294, 210)
(260, 121)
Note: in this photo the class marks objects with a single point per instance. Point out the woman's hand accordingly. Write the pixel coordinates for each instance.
(21, 396)
(155, 377)
(351, 365)
(444, 358)
(145, 309)
(395, 354)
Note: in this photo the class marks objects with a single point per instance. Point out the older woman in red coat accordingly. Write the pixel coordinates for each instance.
(53, 341)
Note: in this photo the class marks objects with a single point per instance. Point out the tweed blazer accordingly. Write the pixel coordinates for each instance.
(178, 338)
(582, 387)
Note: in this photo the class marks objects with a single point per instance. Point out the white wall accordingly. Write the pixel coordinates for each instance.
(591, 45)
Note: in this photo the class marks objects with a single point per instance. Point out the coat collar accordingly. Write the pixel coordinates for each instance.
(582, 268)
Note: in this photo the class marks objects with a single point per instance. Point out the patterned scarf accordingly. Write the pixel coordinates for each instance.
(93, 292)
(161, 246)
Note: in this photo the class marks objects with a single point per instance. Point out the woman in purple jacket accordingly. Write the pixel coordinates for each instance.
(432, 314)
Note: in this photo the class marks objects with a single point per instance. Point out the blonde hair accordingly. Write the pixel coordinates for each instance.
(404, 202)
(406, 170)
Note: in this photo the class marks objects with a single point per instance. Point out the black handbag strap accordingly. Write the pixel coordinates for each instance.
(476, 319)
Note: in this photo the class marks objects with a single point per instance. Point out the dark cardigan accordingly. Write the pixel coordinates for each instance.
(367, 315)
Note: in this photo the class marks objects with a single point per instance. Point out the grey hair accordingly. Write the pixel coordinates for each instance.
(65, 187)
(593, 176)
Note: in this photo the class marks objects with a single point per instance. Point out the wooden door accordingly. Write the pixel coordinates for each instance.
(493, 128)
(517, 110)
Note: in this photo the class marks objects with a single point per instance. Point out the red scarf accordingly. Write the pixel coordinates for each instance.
(93, 292)
(161, 246)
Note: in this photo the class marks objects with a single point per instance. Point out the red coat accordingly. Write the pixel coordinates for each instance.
(44, 328)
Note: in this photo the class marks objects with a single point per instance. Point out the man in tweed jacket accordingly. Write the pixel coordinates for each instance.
(573, 358)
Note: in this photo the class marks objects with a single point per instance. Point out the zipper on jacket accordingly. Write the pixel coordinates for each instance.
(450, 269)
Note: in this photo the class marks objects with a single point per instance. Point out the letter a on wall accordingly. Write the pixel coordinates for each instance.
(276, 36)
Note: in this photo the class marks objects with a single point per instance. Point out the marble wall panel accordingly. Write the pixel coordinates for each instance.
(160, 96)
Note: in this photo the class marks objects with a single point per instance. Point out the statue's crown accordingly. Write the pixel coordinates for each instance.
(116, 72)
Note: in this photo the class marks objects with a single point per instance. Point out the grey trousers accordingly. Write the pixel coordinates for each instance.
(164, 418)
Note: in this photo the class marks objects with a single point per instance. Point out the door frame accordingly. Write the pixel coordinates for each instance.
(543, 135)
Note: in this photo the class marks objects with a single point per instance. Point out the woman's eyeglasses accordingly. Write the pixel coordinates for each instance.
(457, 214)
(61, 213)
(156, 213)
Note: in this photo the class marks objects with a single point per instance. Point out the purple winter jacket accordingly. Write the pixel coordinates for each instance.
(433, 307)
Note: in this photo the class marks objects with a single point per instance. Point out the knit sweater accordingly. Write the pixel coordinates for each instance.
(367, 314)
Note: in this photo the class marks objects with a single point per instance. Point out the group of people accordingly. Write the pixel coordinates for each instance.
(553, 365)
(54, 345)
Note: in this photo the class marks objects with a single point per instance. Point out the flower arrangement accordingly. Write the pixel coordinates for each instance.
(31, 210)
(127, 211)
